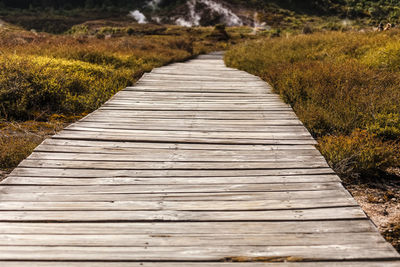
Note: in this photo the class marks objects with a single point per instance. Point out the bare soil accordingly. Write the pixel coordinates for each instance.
(381, 203)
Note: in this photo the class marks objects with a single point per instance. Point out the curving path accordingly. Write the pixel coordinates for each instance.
(196, 165)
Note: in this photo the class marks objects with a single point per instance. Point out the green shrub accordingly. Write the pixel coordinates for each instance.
(29, 85)
(386, 126)
(76, 74)
(360, 153)
(387, 56)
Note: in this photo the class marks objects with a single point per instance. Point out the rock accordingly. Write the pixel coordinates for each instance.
(385, 213)
(219, 33)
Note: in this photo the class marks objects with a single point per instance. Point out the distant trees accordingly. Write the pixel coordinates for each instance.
(375, 9)
(60, 4)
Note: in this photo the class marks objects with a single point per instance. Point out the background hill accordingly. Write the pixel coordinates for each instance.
(58, 16)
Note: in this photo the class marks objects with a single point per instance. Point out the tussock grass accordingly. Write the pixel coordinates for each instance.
(44, 74)
(343, 86)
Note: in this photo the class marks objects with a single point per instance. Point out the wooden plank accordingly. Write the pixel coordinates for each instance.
(196, 98)
(80, 148)
(165, 126)
(195, 103)
(164, 137)
(187, 89)
(208, 95)
(170, 165)
(84, 147)
(176, 196)
(165, 215)
(78, 173)
(303, 253)
(197, 264)
(178, 205)
(211, 113)
(119, 118)
(122, 146)
(162, 155)
(169, 180)
(185, 240)
(171, 188)
(194, 77)
(196, 107)
(196, 134)
(182, 119)
(168, 228)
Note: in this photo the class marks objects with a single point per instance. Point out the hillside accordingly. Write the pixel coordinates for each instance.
(58, 16)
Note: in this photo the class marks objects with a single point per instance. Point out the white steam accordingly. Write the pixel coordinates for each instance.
(138, 16)
(184, 23)
(194, 18)
(347, 22)
(156, 19)
(154, 4)
(230, 18)
(259, 26)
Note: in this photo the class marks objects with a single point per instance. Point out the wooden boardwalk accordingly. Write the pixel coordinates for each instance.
(196, 165)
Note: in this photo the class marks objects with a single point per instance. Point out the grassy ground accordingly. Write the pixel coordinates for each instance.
(47, 81)
(344, 86)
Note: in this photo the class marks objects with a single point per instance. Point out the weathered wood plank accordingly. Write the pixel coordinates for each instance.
(143, 155)
(165, 228)
(170, 180)
(176, 196)
(88, 173)
(195, 134)
(165, 215)
(177, 205)
(197, 264)
(171, 165)
(235, 121)
(302, 253)
(185, 240)
(140, 188)
(121, 146)
(165, 137)
(83, 147)
(188, 127)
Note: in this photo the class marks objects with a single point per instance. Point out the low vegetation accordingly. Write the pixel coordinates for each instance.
(343, 86)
